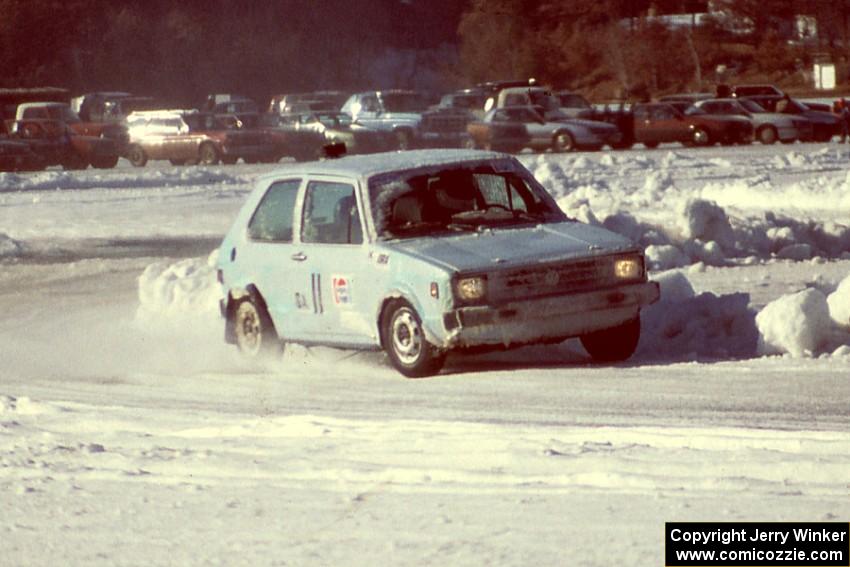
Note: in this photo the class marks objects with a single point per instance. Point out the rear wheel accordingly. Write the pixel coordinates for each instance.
(137, 156)
(208, 155)
(403, 139)
(768, 135)
(614, 344)
(406, 344)
(253, 329)
(74, 162)
(563, 142)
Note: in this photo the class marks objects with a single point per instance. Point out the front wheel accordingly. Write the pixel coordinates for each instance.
(406, 344)
(253, 329)
(615, 344)
(700, 137)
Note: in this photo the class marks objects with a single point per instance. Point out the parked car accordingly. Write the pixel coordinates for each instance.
(334, 127)
(17, 155)
(421, 253)
(515, 128)
(662, 123)
(770, 127)
(825, 125)
(56, 144)
(756, 90)
(230, 104)
(188, 137)
(100, 155)
(405, 113)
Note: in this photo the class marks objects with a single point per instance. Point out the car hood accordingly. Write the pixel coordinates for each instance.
(502, 247)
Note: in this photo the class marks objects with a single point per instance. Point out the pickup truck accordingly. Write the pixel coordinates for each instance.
(406, 114)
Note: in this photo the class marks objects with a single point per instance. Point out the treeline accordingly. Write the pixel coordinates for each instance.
(184, 50)
(619, 48)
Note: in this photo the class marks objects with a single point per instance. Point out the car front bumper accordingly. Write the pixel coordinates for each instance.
(545, 319)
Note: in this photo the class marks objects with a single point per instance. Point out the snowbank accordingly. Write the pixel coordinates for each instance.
(9, 247)
(176, 293)
(807, 323)
(683, 325)
(119, 179)
(746, 215)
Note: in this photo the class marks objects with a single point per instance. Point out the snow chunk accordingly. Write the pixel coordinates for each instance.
(184, 290)
(9, 247)
(685, 325)
(797, 324)
(666, 257)
(839, 304)
(706, 221)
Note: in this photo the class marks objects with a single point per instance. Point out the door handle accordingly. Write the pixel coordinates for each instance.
(299, 256)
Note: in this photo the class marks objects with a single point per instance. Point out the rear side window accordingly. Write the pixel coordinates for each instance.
(272, 221)
(330, 214)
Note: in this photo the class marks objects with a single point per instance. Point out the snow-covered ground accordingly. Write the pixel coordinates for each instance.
(129, 434)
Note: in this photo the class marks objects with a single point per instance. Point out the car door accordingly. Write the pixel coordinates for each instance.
(668, 126)
(331, 267)
(267, 255)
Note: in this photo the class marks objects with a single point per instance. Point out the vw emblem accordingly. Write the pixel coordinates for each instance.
(551, 278)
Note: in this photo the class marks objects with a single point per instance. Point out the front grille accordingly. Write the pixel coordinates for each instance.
(553, 279)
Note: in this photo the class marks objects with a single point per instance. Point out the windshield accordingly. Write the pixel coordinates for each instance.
(404, 102)
(459, 198)
(573, 101)
(752, 106)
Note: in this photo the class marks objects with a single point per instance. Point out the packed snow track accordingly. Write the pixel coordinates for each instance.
(131, 434)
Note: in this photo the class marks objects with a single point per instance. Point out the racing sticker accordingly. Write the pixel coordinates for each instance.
(341, 290)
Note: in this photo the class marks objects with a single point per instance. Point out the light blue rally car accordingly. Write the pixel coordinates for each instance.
(423, 252)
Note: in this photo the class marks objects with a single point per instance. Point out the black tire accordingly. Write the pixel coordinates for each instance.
(207, 154)
(767, 135)
(563, 142)
(700, 137)
(137, 156)
(615, 344)
(405, 343)
(74, 162)
(403, 139)
(650, 145)
(253, 329)
(104, 162)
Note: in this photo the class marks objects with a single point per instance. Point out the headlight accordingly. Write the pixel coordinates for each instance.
(628, 268)
(471, 289)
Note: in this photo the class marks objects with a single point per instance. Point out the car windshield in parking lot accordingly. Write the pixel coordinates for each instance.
(417, 203)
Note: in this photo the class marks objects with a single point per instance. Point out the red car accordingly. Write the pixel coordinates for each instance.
(662, 123)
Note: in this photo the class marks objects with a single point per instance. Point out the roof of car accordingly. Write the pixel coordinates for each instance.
(371, 164)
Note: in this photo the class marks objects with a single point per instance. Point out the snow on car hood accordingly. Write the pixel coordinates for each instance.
(514, 246)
